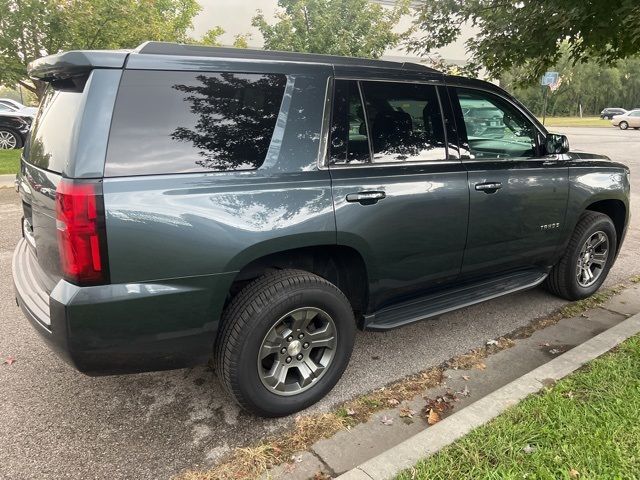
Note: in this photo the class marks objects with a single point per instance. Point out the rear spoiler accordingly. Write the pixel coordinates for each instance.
(75, 63)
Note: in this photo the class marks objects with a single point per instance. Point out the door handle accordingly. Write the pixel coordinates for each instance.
(366, 198)
(489, 187)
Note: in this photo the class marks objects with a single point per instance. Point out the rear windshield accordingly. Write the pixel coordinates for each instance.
(52, 131)
(178, 122)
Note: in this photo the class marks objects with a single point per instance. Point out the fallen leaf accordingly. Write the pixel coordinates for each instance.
(385, 420)
(464, 392)
(465, 377)
(9, 361)
(393, 402)
(573, 473)
(407, 412)
(433, 417)
(529, 449)
(480, 366)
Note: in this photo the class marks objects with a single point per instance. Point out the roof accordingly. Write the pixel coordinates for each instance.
(164, 48)
(76, 62)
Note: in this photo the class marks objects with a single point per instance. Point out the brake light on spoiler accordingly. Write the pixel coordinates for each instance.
(80, 225)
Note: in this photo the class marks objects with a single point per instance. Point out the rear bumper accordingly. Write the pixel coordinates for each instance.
(123, 328)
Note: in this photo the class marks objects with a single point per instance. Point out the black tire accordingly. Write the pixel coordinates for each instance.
(252, 314)
(562, 280)
(15, 135)
(623, 125)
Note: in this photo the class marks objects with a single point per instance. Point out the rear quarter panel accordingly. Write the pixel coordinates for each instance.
(171, 226)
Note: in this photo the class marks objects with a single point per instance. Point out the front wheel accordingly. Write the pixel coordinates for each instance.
(587, 259)
(623, 125)
(284, 343)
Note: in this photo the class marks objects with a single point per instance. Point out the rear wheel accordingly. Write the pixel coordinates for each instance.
(9, 139)
(587, 259)
(623, 125)
(285, 341)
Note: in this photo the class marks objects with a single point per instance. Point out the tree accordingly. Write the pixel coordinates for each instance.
(358, 28)
(588, 84)
(211, 38)
(30, 29)
(529, 33)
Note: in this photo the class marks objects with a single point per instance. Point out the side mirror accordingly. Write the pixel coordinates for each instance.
(556, 144)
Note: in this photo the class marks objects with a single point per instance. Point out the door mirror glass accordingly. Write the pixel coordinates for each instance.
(556, 144)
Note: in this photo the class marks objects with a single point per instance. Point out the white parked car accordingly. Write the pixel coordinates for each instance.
(9, 106)
(626, 120)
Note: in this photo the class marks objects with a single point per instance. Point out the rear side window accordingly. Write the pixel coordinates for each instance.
(405, 122)
(179, 122)
(52, 133)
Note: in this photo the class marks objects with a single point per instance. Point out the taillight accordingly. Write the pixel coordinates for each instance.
(81, 232)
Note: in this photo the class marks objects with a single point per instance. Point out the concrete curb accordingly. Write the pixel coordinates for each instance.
(388, 464)
(7, 181)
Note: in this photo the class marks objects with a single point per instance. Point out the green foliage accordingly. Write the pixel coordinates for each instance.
(528, 33)
(211, 38)
(30, 29)
(588, 84)
(358, 28)
(9, 161)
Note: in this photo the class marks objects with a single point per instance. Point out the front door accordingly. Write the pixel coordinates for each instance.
(399, 200)
(518, 195)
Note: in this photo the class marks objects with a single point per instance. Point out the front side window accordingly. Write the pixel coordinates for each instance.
(495, 128)
(405, 122)
(178, 122)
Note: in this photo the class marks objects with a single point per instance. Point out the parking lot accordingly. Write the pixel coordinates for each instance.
(57, 423)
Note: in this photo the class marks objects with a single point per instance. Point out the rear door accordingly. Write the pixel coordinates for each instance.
(400, 198)
(518, 195)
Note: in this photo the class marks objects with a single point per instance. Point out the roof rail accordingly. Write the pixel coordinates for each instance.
(165, 48)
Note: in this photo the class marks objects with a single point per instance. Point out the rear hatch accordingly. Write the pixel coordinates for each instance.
(44, 159)
(51, 156)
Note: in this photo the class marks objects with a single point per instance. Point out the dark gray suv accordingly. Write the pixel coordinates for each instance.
(182, 202)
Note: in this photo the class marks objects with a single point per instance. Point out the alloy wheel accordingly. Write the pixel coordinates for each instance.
(592, 259)
(8, 140)
(297, 351)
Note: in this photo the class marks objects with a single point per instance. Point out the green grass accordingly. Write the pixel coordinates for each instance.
(588, 423)
(576, 122)
(9, 161)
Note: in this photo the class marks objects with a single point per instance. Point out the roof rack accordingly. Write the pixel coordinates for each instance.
(165, 48)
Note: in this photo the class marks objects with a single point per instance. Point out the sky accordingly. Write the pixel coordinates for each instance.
(235, 17)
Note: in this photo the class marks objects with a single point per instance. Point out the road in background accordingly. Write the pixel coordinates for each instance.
(57, 423)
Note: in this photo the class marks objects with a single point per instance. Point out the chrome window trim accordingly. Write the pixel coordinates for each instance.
(322, 160)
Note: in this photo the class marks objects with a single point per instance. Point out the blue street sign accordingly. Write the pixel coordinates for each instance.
(549, 78)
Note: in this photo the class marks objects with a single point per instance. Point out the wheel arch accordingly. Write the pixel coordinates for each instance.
(616, 210)
(341, 265)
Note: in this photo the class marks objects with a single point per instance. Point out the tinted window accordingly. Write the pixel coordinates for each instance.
(495, 128)
(349, 142)
(176, 122)
(50, 143)
(405, 121)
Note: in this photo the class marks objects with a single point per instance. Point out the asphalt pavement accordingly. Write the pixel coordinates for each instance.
(57, 423)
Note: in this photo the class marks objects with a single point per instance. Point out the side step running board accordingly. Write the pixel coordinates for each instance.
(452, 299)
